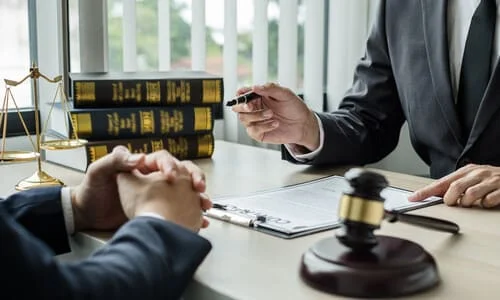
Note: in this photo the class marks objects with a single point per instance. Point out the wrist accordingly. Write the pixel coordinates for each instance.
(310, 135)
(78, 219)
(152, 208)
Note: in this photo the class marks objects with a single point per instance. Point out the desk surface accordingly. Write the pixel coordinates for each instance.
(245, 264)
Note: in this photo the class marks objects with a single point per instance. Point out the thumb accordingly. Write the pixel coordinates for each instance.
(274, 91)
(119, 160)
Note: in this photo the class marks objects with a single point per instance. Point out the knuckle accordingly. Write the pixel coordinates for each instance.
(490, 201)
(449, 201)
(473, 193)
(457, 187)
(188, 163)
(288, 91)
(253, 132)
(482, 172)
(242, 118)
(494, 180)
(242, 89)
(164, 153)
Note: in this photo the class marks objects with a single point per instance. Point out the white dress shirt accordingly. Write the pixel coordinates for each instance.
(460, 14)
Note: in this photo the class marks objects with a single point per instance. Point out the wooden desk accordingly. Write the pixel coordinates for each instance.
(245, 264)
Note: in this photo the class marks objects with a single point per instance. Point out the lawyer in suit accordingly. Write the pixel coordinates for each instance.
(432, 63)
(152, 256)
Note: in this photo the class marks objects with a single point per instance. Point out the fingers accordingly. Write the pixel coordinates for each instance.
(197, 175)
(440, 186)
(255, 104)
(468, 186)
(164, 162)
(243, 90)
(204, 222)
(275, 91)
(205, 202)
(461, 189)
(252, 106)
(257, 131)
(491, 200)
(247, 118)
(269, 91)
(119, 160)
(172, 168)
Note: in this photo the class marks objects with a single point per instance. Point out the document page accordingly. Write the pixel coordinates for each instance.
(308, 206)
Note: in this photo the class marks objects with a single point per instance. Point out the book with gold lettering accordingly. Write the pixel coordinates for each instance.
(134, 122)
(182, 147)
(94, 90)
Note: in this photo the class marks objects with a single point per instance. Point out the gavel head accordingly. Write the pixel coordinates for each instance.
(361, 209)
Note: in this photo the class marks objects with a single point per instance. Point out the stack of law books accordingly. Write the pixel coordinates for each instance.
(143, 111)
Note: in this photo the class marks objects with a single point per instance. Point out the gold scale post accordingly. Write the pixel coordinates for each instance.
(40, 178)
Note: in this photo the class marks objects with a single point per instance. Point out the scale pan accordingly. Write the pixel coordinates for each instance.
(63, 144)
(17, 156)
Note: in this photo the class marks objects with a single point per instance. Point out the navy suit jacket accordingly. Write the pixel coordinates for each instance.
(404, 76)
(147, 258)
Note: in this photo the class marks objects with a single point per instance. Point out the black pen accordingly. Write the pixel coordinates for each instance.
(244, 98)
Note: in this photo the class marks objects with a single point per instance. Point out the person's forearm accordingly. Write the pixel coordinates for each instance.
(147, 259)
(40, 212)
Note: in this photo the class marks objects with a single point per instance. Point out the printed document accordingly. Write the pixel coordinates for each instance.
(307, 207)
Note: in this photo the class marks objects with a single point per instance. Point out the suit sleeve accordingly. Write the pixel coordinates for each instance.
(40, 212)
(367, 125)
(147, 258)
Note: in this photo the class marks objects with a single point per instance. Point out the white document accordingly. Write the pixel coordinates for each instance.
(303, 208)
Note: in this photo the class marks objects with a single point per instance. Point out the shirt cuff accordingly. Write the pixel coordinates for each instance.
(152, 215)
(292, 148)
(67, 210)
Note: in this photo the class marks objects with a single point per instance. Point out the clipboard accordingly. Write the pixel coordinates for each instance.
(301, 209)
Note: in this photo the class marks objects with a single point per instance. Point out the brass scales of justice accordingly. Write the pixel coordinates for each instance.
(40, 178)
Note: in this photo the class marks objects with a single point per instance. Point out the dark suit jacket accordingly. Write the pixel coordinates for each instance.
(147, 258)
(404, 75)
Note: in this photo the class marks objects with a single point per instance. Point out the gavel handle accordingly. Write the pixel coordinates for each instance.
(423, 221)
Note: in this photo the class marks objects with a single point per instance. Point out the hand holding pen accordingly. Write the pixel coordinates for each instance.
(243, 98)
(278, 116)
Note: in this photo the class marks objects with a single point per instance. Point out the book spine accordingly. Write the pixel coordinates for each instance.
(120, 123)
(182, 147)
(161, 92)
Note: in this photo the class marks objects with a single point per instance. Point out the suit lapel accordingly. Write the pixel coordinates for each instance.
(436, 42)
(489, 106)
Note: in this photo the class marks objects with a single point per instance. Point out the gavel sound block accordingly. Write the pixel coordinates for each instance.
(357, 263)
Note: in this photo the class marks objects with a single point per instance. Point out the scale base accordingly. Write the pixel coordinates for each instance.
(37, 180)
(395, 267)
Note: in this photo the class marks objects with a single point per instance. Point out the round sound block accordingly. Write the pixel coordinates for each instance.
(394, 267)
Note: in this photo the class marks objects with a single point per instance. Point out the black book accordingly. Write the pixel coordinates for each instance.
(98, 90)
(132, 122)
